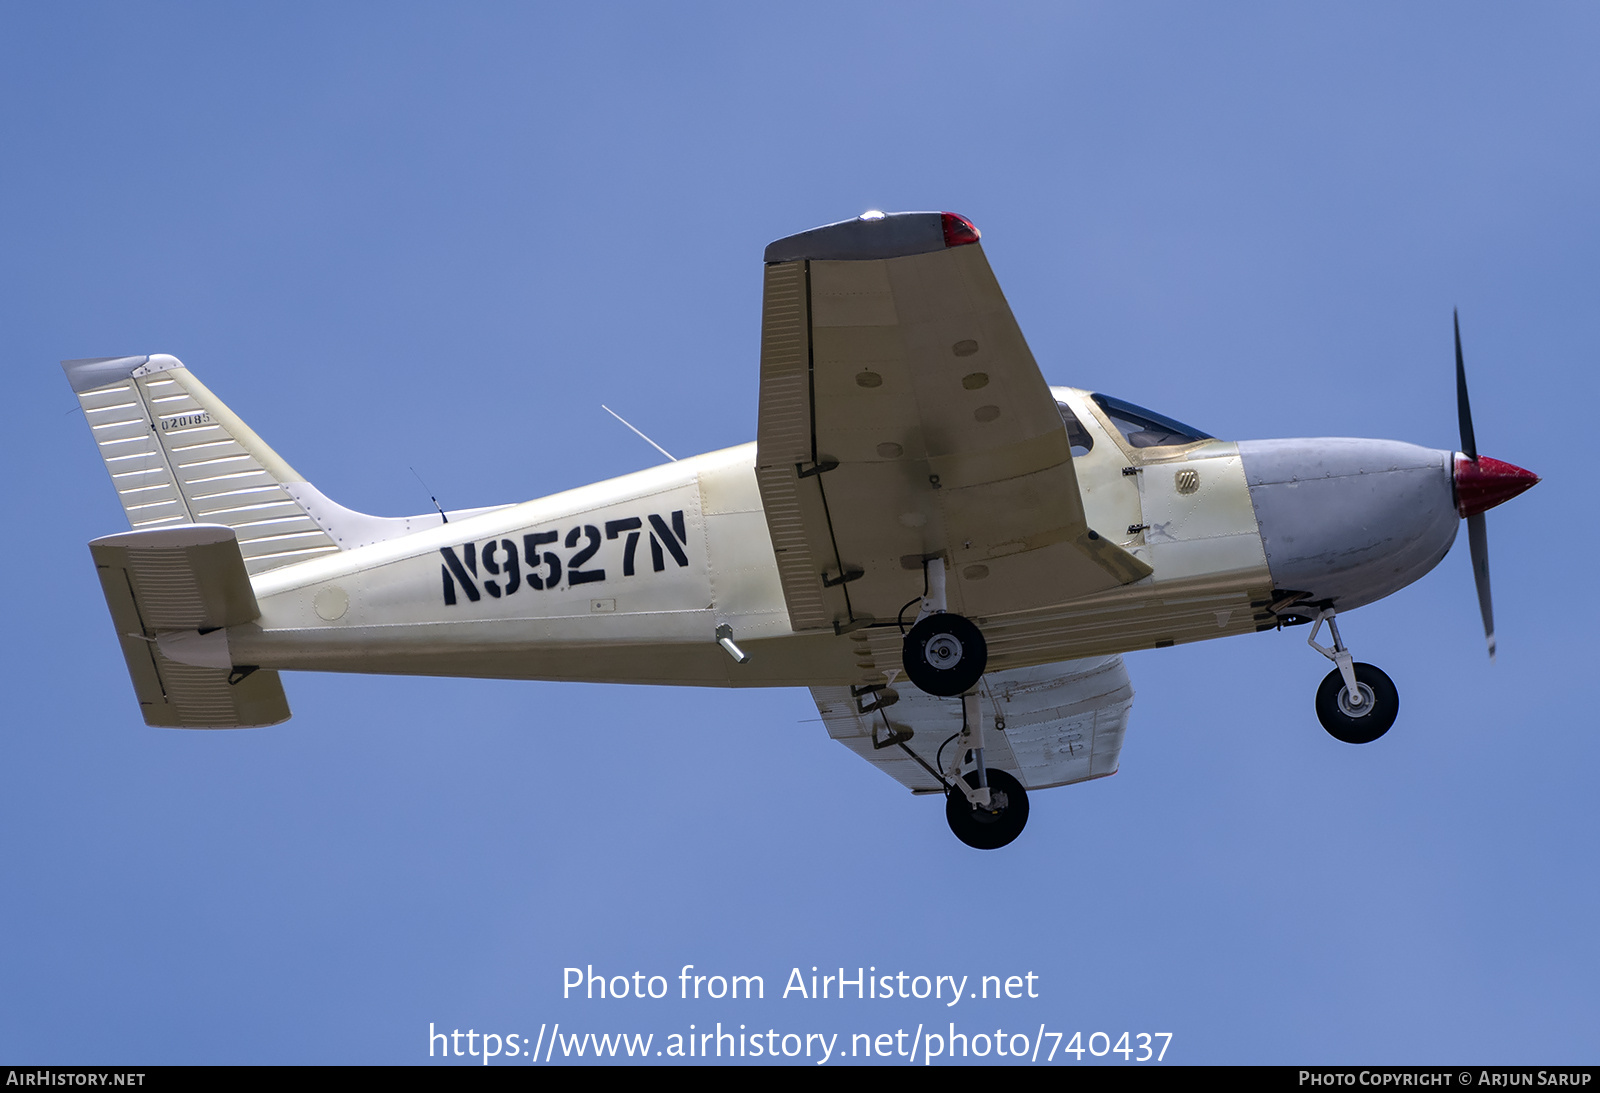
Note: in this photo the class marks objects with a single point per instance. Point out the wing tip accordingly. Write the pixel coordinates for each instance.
(875, 235)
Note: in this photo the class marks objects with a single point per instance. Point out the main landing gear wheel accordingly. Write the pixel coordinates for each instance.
(945, 655)
(988, 829)
(1363, 722)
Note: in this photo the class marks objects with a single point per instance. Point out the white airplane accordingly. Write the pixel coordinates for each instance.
(950, 553)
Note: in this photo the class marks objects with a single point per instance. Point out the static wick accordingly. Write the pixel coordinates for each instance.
(641, 436)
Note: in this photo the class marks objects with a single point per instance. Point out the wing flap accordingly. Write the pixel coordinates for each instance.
(793, 501)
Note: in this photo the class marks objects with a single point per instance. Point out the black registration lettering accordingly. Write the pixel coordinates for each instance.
(631, 525)
(670, 538)
(510, 567)
(455, 573)
(506, 568)
(576, 576)
(530, 550)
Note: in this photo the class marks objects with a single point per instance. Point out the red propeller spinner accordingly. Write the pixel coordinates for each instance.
(1483, 483)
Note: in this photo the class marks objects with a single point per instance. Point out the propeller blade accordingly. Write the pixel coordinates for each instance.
(1469, 443)
(1478, 539)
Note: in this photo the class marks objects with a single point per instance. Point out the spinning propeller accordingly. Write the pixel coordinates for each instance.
(1481, 484)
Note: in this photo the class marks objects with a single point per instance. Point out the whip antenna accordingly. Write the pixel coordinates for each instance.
(641, 436)
(431, 497)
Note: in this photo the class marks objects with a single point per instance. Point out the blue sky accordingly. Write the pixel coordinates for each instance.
(402, 236)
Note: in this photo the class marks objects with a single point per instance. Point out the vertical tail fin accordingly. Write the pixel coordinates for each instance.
(177, 455)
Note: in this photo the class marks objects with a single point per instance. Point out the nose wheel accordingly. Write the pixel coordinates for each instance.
(1357, 703)
(1352, 720)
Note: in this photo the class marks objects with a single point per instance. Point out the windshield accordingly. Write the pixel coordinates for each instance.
(1145, 428)
(1077, 435)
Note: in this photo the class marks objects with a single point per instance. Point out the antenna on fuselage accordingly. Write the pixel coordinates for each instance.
(431, 497)
(641, 436)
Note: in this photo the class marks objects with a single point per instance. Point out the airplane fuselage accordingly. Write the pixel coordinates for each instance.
(628, 580)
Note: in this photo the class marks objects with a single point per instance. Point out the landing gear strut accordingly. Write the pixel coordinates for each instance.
(985, 808)
(1356, 703)
(944, 654)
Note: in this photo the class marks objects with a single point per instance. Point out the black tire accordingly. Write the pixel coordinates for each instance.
(945, 655)
(988, 830)
(1358, 728)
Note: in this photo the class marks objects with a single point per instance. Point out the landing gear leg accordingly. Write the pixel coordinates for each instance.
(986, 809)
(944, 654)
(1357, 703)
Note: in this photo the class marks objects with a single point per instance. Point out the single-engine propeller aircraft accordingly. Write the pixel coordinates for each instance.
(950, 553)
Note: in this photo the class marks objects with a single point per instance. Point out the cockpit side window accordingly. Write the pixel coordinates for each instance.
(1145, 428)
(1079, 437)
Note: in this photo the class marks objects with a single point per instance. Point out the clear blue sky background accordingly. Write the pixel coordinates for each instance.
(396, 236)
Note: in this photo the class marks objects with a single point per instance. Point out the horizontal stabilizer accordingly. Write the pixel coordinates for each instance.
(177, 587)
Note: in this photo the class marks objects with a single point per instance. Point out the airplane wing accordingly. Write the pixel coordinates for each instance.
(902, 417)
(1062, 723)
